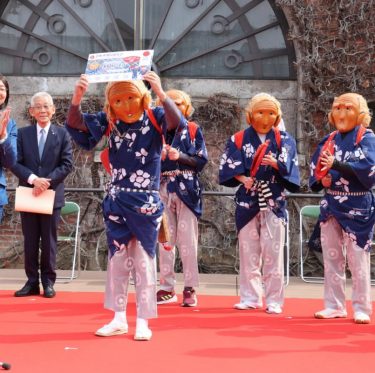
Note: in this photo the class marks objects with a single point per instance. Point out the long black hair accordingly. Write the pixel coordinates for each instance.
(6, 84)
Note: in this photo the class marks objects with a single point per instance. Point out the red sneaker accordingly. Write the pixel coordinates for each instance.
(189, 298)
(164, 297)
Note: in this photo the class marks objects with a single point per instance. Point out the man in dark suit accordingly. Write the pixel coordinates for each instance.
(44, 160)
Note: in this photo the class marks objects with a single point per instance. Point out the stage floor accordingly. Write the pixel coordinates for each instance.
(43, 335)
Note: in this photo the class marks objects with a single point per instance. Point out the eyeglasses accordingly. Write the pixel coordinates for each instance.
(42, 107)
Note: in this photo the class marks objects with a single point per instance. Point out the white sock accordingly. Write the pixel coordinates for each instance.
(142, 324)
(120, 318)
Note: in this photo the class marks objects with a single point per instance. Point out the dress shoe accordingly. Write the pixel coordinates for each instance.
(49, 292)
(27, 290)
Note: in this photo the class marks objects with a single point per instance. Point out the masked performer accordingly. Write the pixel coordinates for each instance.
(132, 208)
(344, 164)
(184, 156)
(262, 160)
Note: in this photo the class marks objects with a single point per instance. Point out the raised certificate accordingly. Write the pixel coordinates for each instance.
(117, 66)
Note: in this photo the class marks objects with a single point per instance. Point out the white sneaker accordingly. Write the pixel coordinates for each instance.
(113, 328)
(361, 318)
(329, 313)
(142, 331)
(274, 308)
(143, 334)
(245, 306)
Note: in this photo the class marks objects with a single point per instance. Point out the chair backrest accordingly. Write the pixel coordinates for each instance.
(70, 208)
(310, 211)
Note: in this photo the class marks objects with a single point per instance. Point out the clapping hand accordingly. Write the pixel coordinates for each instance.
(4, 119)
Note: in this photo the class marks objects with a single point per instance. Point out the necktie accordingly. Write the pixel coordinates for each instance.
(42, 141)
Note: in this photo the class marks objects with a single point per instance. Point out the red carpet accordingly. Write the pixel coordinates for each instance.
(56, 335)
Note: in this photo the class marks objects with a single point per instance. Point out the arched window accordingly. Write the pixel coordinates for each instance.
(233, 39)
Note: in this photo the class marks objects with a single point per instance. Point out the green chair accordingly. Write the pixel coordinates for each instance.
(286, 251)
(312, 212)
(70, 215)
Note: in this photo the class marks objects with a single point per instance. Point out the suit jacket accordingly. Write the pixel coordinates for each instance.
(56, 162)
(8, 158)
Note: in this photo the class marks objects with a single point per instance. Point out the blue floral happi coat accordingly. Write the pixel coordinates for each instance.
(132, 206)
(236, 161)
(349, 199)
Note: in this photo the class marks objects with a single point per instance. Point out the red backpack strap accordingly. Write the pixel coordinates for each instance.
(360, 133)
(153, 120)
(238, 139)
(109, 128)
(277, 137)
(193, 128)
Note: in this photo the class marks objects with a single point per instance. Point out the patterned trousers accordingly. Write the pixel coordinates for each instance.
(337, 247)
(183, 230)
(261, 248)
(131, 261)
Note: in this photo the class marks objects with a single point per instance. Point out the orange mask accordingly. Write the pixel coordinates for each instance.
(345, 112)
(264, 116)
(182, 101)
(126, 101)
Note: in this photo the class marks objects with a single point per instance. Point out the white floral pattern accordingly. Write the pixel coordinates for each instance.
(142, 154)
(145, 129)
(118, 174)
(244, 204)
(223, 160)
(150, 207)
(283, 157)
(343, 183)
(188, 176)
(184, 134)
(140, 179)
(117, 141)
(130, 137)
(312, 169)
(248, 150)
(182, 186)
(232, 164)
(341, 199)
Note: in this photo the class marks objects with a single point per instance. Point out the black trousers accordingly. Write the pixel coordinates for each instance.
(40, 232)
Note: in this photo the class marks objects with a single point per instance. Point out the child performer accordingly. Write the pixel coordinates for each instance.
(132, 208)
(344, 164)
(263, 161)
(184, 156)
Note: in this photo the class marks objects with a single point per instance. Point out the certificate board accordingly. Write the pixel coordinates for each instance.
(27, 202)
(118, 66)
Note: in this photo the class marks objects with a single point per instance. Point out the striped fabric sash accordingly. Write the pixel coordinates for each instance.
(264, 193)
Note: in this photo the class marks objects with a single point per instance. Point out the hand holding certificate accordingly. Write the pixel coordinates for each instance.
(26, 201)
(118, 66)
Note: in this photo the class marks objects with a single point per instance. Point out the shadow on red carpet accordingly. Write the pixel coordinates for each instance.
(57, 335)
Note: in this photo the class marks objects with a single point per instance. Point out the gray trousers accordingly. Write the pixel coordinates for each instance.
(337, 246)
(261, 249)
(132, 261)
(183, 230)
